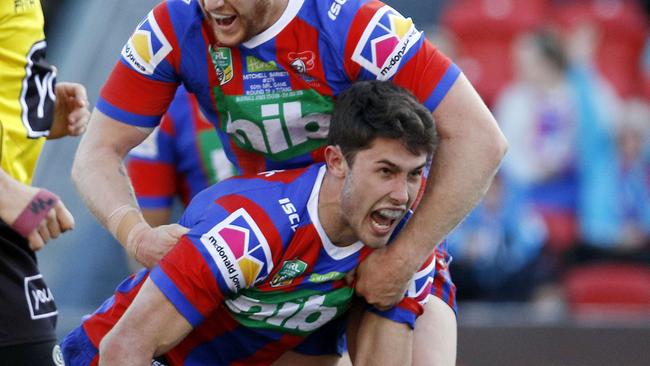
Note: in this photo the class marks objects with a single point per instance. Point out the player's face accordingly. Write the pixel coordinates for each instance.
(236, 21)
(379, 188)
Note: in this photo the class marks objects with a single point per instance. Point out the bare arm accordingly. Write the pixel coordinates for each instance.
(101, 179)
(471, 148)
(150, 327)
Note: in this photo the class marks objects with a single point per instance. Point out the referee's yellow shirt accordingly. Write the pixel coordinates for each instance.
(26, 87)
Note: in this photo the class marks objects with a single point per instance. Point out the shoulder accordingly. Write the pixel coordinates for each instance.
(369, 34)
(262, 193)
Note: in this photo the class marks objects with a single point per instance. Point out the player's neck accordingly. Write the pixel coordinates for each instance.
(330, 213)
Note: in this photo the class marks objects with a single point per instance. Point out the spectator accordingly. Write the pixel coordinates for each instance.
(537, 113)
(495, 252)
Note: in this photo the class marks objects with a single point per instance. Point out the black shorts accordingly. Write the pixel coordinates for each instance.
(46, 353)
(27, 310)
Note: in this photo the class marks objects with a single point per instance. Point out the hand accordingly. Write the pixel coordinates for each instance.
(71, 112)
(383, 278)
(148, 245)
(56, 221)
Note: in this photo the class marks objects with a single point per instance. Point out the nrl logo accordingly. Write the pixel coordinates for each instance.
(222, 62)
(289, 271)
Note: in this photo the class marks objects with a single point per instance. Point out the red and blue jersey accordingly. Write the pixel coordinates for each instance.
(181, 157)
(271, 97)
(255, 275)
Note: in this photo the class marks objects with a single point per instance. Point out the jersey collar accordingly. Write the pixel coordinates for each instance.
(332, 250)
(293, 7)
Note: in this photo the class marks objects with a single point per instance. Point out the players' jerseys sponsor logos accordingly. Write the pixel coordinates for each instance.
(253, 64)
(222, 62)
(335, 8)
(384, 43)
(326, 277)
(280, 125)
(239, 249)
(37, 95)
(301, 61)
(291, 212)
(296, 312)
(147, 46)
(39, 298)
(288, 271)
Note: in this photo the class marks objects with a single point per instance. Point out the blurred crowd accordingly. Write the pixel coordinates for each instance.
(568, 216)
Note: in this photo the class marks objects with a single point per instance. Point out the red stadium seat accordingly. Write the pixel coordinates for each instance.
(485, 30)
(608, 290)
(562, 227)
(624, 31)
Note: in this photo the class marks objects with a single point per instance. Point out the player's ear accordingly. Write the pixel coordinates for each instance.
(335, 160)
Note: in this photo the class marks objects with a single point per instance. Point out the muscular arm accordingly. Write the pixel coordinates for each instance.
(101, 179)
(98, 170)
(150, 327)
(471, 148)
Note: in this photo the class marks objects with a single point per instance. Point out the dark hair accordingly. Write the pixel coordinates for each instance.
(551, 48)
(372, 109)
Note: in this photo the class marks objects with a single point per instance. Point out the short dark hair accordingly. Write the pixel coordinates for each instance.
(549, 44)
(372, 109)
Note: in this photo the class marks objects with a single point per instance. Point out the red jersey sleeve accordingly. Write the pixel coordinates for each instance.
(144, 80)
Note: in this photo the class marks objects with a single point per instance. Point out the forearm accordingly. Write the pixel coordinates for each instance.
(100, 176)
(150, 327)
(102, 182)
(10, 206)
(7, 184)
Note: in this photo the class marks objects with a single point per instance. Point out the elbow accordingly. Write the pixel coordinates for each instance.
(79, 162)
(111, 348)
(75, 173)
(499, 146)
(120, 348)
(79, 165)
(490, 145)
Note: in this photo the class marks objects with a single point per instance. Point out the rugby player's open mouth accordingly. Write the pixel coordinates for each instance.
(223, 20)
(384, 219)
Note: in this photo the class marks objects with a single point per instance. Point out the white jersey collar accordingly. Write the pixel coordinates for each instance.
(332, 250)
(293, 7)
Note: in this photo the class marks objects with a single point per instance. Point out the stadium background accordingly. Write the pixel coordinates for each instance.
(604, 320)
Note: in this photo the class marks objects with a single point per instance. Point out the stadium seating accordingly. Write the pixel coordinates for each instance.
(623, 28)
(608, 291)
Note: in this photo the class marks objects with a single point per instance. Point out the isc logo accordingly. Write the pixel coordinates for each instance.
(335, 9)
(282, 127)
(290, 210)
